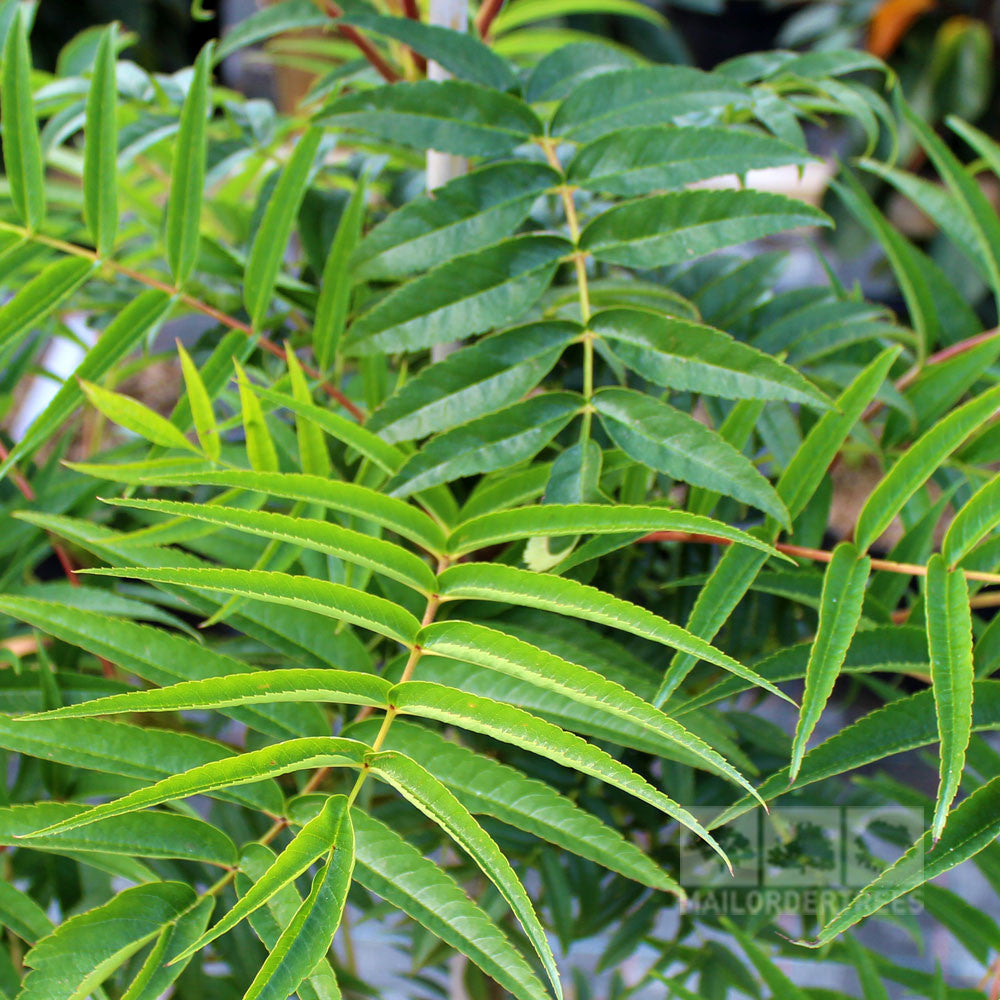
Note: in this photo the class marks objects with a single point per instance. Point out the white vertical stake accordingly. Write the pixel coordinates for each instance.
(442, 167)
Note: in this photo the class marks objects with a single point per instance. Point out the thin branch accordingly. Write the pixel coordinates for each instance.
(945, 354)
(193, 303)
(412, 11)
(817, 555)
(486, 16)
(366, 48)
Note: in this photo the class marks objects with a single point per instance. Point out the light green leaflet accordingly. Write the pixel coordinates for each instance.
(38, 297)
(271, 761)
(332, 600)
(309, 934)
(919, 463)
(100, 192)
(281, 684)
(270, 920)
(840, 610)
(435, 801)
(532, 11)
(949, 636)
(976, 519)
(587, 519)
(81, 952)
(260, 448)
(494, 582)
(390, 867)
(321, 536)
(188, 178)
(313, 456)
(201, 405)
(22, 150)
(371, 446)
(335, 285)
(314, 840)
(271, 239)
(136, 417)
(349, 498)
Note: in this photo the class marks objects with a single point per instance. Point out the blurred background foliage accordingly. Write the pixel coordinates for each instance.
(941, 49)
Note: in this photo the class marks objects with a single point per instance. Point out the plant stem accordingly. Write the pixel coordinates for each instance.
(487, 14)
(364, 46)
(945, 354)
(583, 289)
(818, 555)
(433, 603)
(190, 301)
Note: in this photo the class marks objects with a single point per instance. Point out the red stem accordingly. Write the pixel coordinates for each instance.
(945, 354)
(364, 46)
(412, 11)
(486, 16)
(234, 324)
(818, 555)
